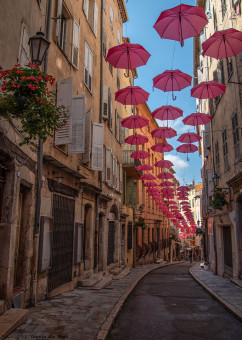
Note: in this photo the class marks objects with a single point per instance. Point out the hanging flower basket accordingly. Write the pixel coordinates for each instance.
(218, 200)
(140, 223)
(26, 95)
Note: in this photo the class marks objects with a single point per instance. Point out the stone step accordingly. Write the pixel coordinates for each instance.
(115, 271)
(123, 266)
(124, 273)
(86, 274)
(90, 281)
(10, 320)
(105, 282)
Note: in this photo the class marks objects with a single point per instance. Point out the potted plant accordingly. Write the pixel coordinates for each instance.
(140, 223)
(26, 96)
(218, 200)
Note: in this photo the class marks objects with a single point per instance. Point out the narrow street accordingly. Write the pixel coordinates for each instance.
(169, 304)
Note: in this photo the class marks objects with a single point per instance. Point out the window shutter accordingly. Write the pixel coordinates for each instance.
(104, 44)
(121, 132)
(58, 21)
(120, 177)
(97, 146)
(130, 181)
(108, 165)
(86, 64)
(110, 110)
(95, 19)
(90, 59)
(86, 8)
(86, 156)
(24, 48)
(105, 101)
(235, 128)
(119, 39)
(78, 125)
(116, 173)
(64, 97)
(75, 43)
(209, 183)
(116, 123)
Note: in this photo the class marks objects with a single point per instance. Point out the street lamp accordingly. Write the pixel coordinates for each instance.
(38, 46)
(215, 179)
(141, 208)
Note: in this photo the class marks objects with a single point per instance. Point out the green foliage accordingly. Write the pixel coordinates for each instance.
(140, 223)
(218, 200)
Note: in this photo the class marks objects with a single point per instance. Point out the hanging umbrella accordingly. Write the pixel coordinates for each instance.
(144, 167)
(136, 139)
(167, 190)
(131, 95)
(157, 199)
(140, 154)
(171, 202)
(164, 163)
(172, 80)
(162, 147)
(208, 89)
(167, 112)
(135, 122)
(181, 22)
(223, 44)
(127, 56)
(150, 184)
(187, 148)
(147, 177)
(153, 190)
(189, 137)
(165, 175)
(163, 132)
(166, 184)
(183, 187)
(197, 118)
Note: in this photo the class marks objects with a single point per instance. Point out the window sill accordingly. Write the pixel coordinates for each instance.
(62, 151)
(64, 54)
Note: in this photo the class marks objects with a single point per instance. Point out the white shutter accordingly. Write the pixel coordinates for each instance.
(64, 97)
(86, 64)
(105, 102)
(108, 165)
(120, 177)
(116, 173)
(86, 8)
(90, 62)
(119, 39)
(86, 156)
(58, 21)
(75, 43)
(95, 19)
(24, 48)
(97, 146)
(78, 125)
(113, 172)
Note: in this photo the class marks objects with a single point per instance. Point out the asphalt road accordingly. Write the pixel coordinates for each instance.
(168, 304)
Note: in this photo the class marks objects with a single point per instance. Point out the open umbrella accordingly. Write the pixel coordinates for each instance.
(165, 175)
(140, 154)
(197, 118)
(131, 95)
(166, 184)
(136, 139)
(144, 167)
(135, 122)
(147, 177)
(163, 132)
(189, 137)
(162, 147)
(164, 163)
(150, 184)
(172, 80)
(127, 56)
(183, 187)
(208, 89)
(181, 22)
(187, 148)
(223, 44)
(167, 112)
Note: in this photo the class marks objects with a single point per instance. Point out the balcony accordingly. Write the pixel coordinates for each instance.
(129, 164)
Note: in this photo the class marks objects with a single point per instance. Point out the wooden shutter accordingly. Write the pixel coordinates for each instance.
(110, 113)
(95, 19)
(108, 165)
(90, 63)
(86, 156)
(129, 182)
(97, 146)
(120, 177)
(105, 101)
(121, 132)
(64, 97)
(86, 8)
(116, 173)
(75, 44)
(209, 183)
(116, 123)
(118, 37)
(58, 21)
(24, 48)
(78, 125)
(86, 64)
(104, 44)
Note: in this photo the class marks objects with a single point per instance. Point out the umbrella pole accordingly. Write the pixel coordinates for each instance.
(173, 97)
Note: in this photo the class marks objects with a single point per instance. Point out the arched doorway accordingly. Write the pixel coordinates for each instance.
(238, 219)
(87, 234)
(113, 222)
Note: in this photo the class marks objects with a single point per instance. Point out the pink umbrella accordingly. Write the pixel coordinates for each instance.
(136, 139)
(189, 137)
(147, 177)
(164, 163)
(163, 132)
(150, 184)
(127, 56)
(171, 202)
(135, 122)
(172, 80)
(166, 184)
(167, 112)
(153, 190)
(165, 175)
(144, 167)
(140, 154)
(131, 95)
(197, 118)
(223, 44)
(208, 89)
(183, 187)
(181, 22)
(187, 148)
(162, 147)
(167, 190)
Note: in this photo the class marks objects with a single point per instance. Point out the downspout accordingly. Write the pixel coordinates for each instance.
(39, 177)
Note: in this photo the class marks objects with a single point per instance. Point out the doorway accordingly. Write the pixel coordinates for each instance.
(227, 246)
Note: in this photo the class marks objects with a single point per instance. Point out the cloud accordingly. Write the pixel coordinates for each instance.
(179, 163)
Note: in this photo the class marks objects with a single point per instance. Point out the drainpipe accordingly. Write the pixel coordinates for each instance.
(39, 178)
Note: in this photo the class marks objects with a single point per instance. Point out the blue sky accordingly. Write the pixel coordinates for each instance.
(142, 16)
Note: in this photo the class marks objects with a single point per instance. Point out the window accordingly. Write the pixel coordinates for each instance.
(215, 23)
(88, 67)
(229, 67)
(109, 65)
(111, 15)
(235, 128)
(217, 164)
(91, 13)
(225, 149)
(24, 49)
(108, 165)
(116, 124)
(223, 5)
(104, 44)
(129, 238)
(118, 38)
(118, 78)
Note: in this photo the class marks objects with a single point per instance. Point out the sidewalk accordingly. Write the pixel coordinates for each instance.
(221, 288)
(79, 314)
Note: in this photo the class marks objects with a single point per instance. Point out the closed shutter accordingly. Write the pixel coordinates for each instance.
(104, 44)
(64, 97)
(120, 177)
(95, 19)
(88, 67)
(209, 182)
(86, 156)
(105, 101)
(116, 173)
(110, 113)
(86, 8)
(116, 123)
(121, 132)
(235, 128)
(108, 165)
(134, 196)
(90, 63)
(119, 38)
(75, 43)
(24, 48)
(97, 146)
(86, 64)
(78, 125)
(58, 21)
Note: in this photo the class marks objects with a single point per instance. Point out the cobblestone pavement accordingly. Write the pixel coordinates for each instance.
(79, 314)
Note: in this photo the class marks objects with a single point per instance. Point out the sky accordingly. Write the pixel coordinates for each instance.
(165, 55)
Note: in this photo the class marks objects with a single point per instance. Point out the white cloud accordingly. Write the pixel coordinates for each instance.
(179, 163)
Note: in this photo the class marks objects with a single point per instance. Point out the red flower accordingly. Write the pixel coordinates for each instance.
(4, 87)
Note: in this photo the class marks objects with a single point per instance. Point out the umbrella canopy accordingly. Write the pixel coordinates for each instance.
(163, 132)
(167, 112)
(131, 95)
(127, 56)
(181, 22)
(135, 122)
(136, 139)
(166, 184)
(183, 187)
(140, 154)
(162, 147)
(150, 184)
(164, 163)
(223, 44)
(144, 167)
(189, 137)
(197, 118)
(165, 175)
(208, 89)
(187, 148)
(172, 80)
(147, 177)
